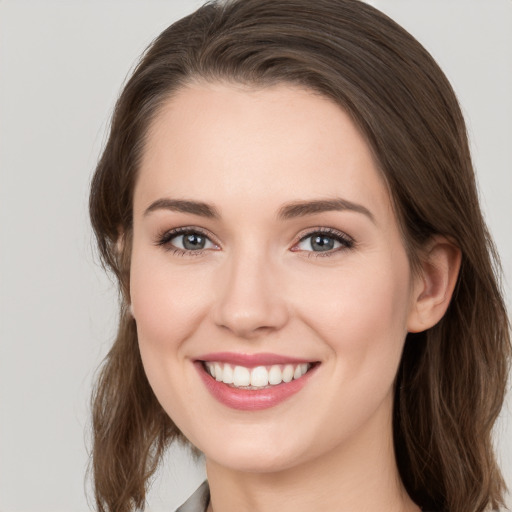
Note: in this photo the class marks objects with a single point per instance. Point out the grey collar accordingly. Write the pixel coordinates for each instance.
(199, 501)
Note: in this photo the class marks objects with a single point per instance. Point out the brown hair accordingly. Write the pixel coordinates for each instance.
(452, 377)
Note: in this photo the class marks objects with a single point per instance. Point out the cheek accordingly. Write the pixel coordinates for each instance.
(360, 315)
(361, 311)
(168, 302)
(168, 306)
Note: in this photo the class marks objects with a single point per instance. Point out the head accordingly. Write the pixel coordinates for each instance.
(343, 55)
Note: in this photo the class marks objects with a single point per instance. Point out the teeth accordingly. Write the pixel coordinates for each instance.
(218, 372)
(275, 375)
(258, 377)
(241, 376)
(227, 374)
(300, 370)
(288, 373)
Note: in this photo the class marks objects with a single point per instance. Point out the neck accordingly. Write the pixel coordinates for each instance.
(360, 474)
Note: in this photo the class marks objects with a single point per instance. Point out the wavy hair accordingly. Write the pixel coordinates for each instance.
(452, 378)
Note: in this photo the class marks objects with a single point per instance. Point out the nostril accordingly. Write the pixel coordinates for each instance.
(249, 301)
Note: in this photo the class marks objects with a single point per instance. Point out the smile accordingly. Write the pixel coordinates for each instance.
(253, 382)
(255, 378)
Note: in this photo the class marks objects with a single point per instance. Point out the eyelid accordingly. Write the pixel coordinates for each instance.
(347, 241)
(165, 236)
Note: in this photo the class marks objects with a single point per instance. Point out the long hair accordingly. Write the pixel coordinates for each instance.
(452, 378)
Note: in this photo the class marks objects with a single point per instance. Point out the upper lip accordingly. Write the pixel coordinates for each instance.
(251, 360)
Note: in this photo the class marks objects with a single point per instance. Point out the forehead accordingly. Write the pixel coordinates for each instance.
(282, 143)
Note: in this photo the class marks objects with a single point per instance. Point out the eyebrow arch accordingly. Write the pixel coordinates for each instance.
(185, 206)
(303, 208)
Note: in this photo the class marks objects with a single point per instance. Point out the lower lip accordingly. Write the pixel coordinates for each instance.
(252, 399)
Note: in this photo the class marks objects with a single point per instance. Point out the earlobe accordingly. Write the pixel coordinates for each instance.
(434, 286)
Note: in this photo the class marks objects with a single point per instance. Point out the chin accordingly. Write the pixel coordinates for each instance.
(254, 461)
(254, 453)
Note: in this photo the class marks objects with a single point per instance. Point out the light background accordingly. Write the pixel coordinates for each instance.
(62, 64)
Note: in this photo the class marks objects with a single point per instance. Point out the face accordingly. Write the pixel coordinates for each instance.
(269, 282)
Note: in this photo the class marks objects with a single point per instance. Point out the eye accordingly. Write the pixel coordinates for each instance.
(324, 241)
(191, 242)
(186, 240)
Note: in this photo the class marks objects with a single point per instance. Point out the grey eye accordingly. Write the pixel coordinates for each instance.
(192, 242)
(319, 242)
(324, 241)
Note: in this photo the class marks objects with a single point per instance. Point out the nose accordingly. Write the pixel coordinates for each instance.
(250, 300)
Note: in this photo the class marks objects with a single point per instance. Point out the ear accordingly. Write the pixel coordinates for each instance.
(433, 287)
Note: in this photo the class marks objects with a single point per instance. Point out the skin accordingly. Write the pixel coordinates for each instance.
(259, 287)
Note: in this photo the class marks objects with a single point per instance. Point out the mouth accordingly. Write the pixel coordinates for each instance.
(260, 377)
(245, 382)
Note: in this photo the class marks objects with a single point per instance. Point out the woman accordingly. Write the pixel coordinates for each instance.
(309, 293)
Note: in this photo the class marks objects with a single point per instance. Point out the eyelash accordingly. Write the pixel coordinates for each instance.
(345, 241)
(164, 239)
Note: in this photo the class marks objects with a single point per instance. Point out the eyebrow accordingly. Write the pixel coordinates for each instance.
(184, 206)
(303, 208)
(288, 211)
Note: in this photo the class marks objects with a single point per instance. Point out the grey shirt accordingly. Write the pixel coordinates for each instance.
(199, 501)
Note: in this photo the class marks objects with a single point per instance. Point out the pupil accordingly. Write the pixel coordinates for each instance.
(193, 241)
(322, 243)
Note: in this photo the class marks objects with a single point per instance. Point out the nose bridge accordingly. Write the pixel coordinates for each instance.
(250, 300)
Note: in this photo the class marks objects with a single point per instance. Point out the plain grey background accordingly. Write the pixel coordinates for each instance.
(62, 64)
